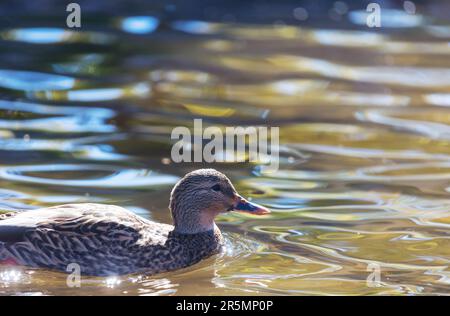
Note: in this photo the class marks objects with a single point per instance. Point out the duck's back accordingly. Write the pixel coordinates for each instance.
(102, 239)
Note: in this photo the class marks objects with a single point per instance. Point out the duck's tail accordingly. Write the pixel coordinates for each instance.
(4, 257)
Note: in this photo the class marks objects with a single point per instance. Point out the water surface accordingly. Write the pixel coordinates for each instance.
(86, 116)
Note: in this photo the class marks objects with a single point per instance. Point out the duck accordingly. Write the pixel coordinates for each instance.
(109, 240)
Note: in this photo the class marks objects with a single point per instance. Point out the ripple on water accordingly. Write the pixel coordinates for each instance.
(111, 176)
(137, 90)
(438, 99)
(10, 276)
(433, 123)
(403, 249)
(358, 141)
(82, 64)
(280, 97)
(34, 81)
(391, 18)
(14, 200)
(75, 148)
(409, 76)
(48, 35)
(353, 249)
(194, 27)
(378, 202)
(139, 24)
(425, 171)
(55, 118)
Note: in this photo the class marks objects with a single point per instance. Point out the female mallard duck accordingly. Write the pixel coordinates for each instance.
(110, 240)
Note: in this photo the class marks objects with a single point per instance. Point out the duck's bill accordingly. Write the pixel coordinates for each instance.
(248, 207)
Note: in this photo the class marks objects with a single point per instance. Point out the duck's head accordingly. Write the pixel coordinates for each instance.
(203, 194)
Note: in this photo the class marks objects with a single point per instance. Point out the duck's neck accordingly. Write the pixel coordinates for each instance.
(197, 246)
(194, 222)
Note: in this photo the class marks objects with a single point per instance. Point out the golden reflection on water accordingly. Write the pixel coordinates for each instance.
(364, 125)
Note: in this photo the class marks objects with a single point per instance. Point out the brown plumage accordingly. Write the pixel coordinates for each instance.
(110, 240)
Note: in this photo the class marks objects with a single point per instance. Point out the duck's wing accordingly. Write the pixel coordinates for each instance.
(13, 225)
(98, 237)
(85, 219)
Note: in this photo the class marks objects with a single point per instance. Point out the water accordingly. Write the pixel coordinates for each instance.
(86, 116)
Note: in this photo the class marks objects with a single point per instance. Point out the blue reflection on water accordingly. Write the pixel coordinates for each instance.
(140, 24)
(195, 27)
(117, 177)
(34, 81)
(70, 119)
(40, 108)
(39, 35)
(389, 18)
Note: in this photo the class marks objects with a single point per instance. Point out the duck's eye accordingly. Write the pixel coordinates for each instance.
(216, 187)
